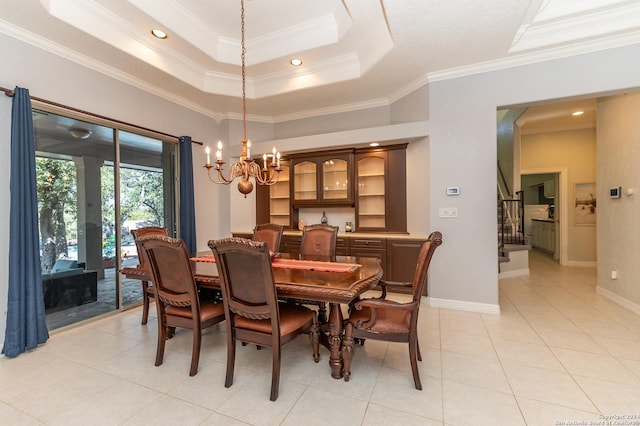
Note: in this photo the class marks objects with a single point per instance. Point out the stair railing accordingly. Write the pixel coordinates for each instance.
(512, 221)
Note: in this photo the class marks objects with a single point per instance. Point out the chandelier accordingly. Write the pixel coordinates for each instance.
(246, 168)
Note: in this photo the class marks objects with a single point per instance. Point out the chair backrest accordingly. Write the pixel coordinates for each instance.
(143, 232)
(424, 259)
(319, 240)
(171, 272)
(246, 279)
(269, 233)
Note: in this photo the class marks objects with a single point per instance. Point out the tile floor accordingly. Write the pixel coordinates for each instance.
(557, 353)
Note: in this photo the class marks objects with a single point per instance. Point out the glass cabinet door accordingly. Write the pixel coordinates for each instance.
(305, 181)
(279, 211)
(335, 179)
(371, 192)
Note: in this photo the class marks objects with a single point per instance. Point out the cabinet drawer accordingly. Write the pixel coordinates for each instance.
(369, 242)
(342, 246)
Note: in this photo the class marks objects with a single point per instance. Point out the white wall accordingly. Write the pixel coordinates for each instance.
(463, 153)
(619, 219)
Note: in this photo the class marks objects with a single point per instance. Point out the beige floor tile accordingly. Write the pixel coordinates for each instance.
(251, 403)
(543, 413)
(395, 389)
(606, 328)
(469, 405)
(529, 354)
(361, 382)
(13, 416)
(466, 322)
(169, 411)
(612, 398)
(632, 365)
(469, 344)
(320, 407)
(603, 367)
(377, 415)
(474, 371)
(216, 419)
(547, 386)
(577, 341)
(621, 348)
(397, 357)
(517, 330)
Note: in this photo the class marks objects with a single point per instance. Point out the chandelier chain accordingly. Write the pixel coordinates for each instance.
(244, 83)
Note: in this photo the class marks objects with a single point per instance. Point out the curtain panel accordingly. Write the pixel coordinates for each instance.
(26, 322)
(187, 204)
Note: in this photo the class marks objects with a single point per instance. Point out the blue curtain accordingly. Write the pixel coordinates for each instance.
(187, 206)
(26, 325)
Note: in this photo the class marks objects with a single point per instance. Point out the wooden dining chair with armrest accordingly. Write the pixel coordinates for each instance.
(253, 312)
(319, 243)
(177, 301)
(384, 319)
(269, 233)
(147, 288)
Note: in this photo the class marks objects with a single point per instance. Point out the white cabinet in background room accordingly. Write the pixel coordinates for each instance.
(549, 189)
(543, 235)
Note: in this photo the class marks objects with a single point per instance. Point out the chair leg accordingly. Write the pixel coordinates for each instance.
(195, 350)
(413, 349)
(418, 347)
(231, 357)
(347, 351)
(275, 373)
(162, 338)
(145, 303)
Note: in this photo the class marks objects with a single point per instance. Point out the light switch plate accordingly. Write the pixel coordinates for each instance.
(448, 212)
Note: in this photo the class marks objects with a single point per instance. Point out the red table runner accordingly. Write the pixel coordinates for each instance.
(309, 265)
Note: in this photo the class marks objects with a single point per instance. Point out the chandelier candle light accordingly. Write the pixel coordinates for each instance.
(246, 168)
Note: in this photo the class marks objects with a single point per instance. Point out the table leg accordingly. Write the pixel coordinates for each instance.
(335, 340)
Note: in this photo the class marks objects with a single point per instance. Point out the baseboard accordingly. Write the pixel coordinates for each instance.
(461, 305)
(514, 273)
(582, 263)
(627, 304)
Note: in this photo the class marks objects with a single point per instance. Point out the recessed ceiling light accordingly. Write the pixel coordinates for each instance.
(578, 113)
(296, 62)
(159, 34)
(80, 133)
(374, 144)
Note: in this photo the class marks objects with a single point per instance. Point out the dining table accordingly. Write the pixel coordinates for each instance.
(337, 282)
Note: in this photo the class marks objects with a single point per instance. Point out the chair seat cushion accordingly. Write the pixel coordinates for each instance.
(387, 320)
(292, 317)
(208, 311)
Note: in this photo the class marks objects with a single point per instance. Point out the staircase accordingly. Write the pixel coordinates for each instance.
(513, 245)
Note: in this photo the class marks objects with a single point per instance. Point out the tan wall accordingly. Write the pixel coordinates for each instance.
(575, 151)
(619, 219)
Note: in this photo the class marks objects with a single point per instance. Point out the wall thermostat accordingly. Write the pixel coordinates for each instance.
(453, 190)
(615, 192)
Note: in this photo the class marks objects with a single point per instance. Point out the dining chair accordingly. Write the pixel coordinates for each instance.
(269, 233)
(384, 319)
(254, 314)
(319, 242)
(177, 301)
(147, 288)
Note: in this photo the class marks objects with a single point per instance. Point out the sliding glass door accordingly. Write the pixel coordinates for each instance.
(96, 183)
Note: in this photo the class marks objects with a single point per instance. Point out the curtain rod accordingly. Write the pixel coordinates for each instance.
(10, 93)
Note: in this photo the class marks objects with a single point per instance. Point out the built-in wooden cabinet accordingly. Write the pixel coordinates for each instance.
(273, 203)
(543, 235)
(322, 179)
(381, 188)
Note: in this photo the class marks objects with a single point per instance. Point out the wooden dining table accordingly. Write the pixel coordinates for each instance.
(337, 282)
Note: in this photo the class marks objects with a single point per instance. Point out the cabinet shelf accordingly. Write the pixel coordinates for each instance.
(366, 175)
(372, 195)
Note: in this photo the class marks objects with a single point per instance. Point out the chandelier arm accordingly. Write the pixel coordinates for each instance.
(218, 177)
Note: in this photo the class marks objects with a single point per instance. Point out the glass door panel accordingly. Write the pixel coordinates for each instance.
(335, 179)
(74, 174)
(304, 181)
(146, 192)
